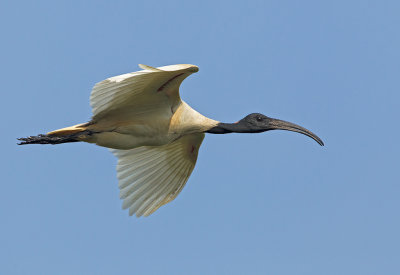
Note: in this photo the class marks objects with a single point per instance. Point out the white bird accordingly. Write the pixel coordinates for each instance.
(155, 135)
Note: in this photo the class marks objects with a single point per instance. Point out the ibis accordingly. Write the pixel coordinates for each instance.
(155, 135)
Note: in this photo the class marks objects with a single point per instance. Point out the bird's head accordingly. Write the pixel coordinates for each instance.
(257, 123)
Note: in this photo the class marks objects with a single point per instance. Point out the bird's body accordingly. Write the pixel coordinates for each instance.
(155, 135)
(154, 116)
(147, 129)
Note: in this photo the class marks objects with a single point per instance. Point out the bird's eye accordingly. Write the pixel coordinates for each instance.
(259, 118)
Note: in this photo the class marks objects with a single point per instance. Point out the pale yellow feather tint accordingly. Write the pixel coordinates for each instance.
(151, 176)
(155, 135)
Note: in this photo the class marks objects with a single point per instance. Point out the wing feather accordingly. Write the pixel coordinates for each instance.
(151, 176)
(138, 175)
(161, 197)
(150, 68)
(160, 188)
(132, 89)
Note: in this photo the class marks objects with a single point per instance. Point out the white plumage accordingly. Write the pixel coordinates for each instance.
(151, 176)
(154, 134)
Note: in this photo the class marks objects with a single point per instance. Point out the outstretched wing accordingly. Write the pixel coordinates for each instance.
(149, 87)
(151, 176)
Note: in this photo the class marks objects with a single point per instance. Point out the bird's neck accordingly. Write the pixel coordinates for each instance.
(186, 120)
(226, 128)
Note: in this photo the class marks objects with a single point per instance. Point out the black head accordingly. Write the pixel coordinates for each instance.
(257, 123)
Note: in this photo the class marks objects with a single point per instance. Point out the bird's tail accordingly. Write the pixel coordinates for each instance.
(64, 135)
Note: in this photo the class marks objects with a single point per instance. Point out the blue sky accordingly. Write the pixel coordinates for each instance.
(272, 203)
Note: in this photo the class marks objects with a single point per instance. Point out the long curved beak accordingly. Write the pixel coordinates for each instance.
(277, 124)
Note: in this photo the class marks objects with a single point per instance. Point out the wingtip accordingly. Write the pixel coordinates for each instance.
(149, 68)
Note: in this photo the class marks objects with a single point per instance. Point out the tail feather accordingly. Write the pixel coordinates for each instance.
(69, 130)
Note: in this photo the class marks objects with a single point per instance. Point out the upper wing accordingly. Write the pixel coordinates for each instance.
(151, 86)
(151, 176)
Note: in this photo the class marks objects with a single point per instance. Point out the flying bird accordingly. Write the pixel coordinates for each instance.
(155, 135)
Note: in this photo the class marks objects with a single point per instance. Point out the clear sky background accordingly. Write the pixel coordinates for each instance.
(272, 203)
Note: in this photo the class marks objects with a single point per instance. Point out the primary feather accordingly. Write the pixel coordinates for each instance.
(151, 176)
